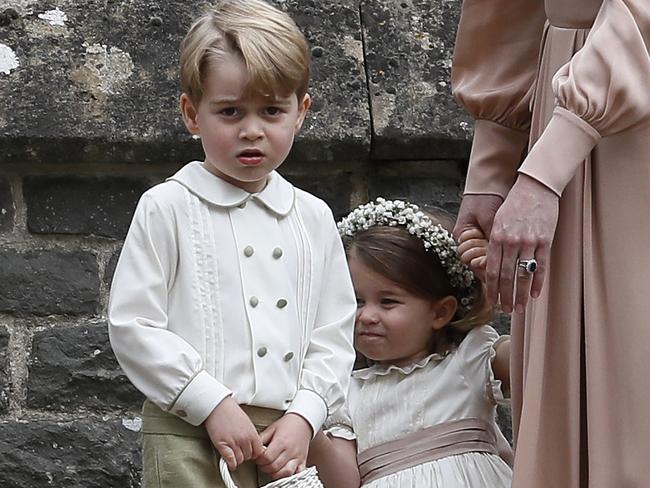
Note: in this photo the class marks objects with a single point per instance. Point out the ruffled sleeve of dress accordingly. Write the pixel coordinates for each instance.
(478, 349)
(339, 424)
(602, 91)
(494, 69)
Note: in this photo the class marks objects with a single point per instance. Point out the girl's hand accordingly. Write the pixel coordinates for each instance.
(287, 441)
(472, 249)
(233, 434)
(523, 228)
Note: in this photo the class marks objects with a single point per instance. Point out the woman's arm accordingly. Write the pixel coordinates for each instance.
(602, 91)
(336, 461)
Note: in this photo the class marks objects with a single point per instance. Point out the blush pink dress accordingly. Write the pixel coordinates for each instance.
(560, 91)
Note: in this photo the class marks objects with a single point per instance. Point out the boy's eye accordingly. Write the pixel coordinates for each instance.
(229, 111)
(388, 301)
(360, 302)
(273, 111)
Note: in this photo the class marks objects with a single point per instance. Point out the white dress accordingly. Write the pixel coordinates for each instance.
(389, 402)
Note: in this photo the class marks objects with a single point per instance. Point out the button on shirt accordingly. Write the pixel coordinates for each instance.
(212, 297)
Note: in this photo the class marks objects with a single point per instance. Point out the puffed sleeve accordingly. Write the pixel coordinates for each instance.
(161, 364)
(325, 376)
(339, 424)
(494, 66)
(602, 91)
(478, 350)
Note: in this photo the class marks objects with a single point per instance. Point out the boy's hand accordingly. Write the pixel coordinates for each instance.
(287, 441)
(233, 434)
(472, 249)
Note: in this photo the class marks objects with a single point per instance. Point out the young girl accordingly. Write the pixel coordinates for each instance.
(422, 414)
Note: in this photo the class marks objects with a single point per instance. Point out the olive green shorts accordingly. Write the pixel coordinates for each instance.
(176, 454)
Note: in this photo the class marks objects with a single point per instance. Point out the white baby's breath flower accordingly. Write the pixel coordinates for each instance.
(434, 237)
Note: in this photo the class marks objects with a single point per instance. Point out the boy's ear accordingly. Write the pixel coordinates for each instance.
(444, 311)
(303, 108)
(189, 113)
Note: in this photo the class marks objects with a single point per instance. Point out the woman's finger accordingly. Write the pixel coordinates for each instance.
(524, 278)
(493, 271)
(507, 276)
(542, 257)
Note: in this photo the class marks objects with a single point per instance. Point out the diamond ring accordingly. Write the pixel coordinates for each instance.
(528, 265)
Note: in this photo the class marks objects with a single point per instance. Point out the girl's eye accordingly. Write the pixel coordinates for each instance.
(360, 302)
(389, 301)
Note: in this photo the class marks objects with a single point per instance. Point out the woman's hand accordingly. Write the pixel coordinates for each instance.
(523, 228)
(477, 212)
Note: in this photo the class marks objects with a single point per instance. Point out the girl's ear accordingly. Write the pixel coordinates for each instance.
(444, 311)
(189, 113)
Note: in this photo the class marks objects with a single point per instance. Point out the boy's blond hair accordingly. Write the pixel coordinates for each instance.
(268, 41)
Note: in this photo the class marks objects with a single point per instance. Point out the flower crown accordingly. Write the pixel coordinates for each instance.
(435, 238)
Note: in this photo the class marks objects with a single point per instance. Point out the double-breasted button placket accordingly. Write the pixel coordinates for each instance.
(269, 275)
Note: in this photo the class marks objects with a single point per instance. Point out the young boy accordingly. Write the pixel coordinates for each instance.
(232, 308)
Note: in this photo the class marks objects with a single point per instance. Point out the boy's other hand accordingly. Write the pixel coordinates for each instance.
(233, 434)
(287, 441)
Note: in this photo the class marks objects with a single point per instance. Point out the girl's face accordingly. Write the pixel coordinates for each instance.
(393, 325)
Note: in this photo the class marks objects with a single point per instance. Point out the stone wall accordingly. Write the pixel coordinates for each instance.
(89, 120)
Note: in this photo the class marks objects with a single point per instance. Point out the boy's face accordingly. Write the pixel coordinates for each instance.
(244, 137)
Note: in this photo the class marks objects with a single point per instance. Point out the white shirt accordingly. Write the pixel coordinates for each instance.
(218, 291)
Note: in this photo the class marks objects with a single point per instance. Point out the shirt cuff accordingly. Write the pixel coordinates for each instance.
(563, 146)
(497, 152)
(310, 406)
(199, 398)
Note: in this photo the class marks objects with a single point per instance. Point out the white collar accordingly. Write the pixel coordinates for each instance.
(278, 195)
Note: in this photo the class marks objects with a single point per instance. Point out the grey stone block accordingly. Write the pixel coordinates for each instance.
(334, 189)
(73, 367)
(504, 420)
(110, 72)
(110, 267)
(4, 369)
(441, 190)
(409, 47)
(44, 282)
(501, 323)
(81, 204)
(89, 453)
(6, 206)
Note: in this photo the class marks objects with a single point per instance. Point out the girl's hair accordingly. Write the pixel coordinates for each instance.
(402, 258)
(268, 41)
